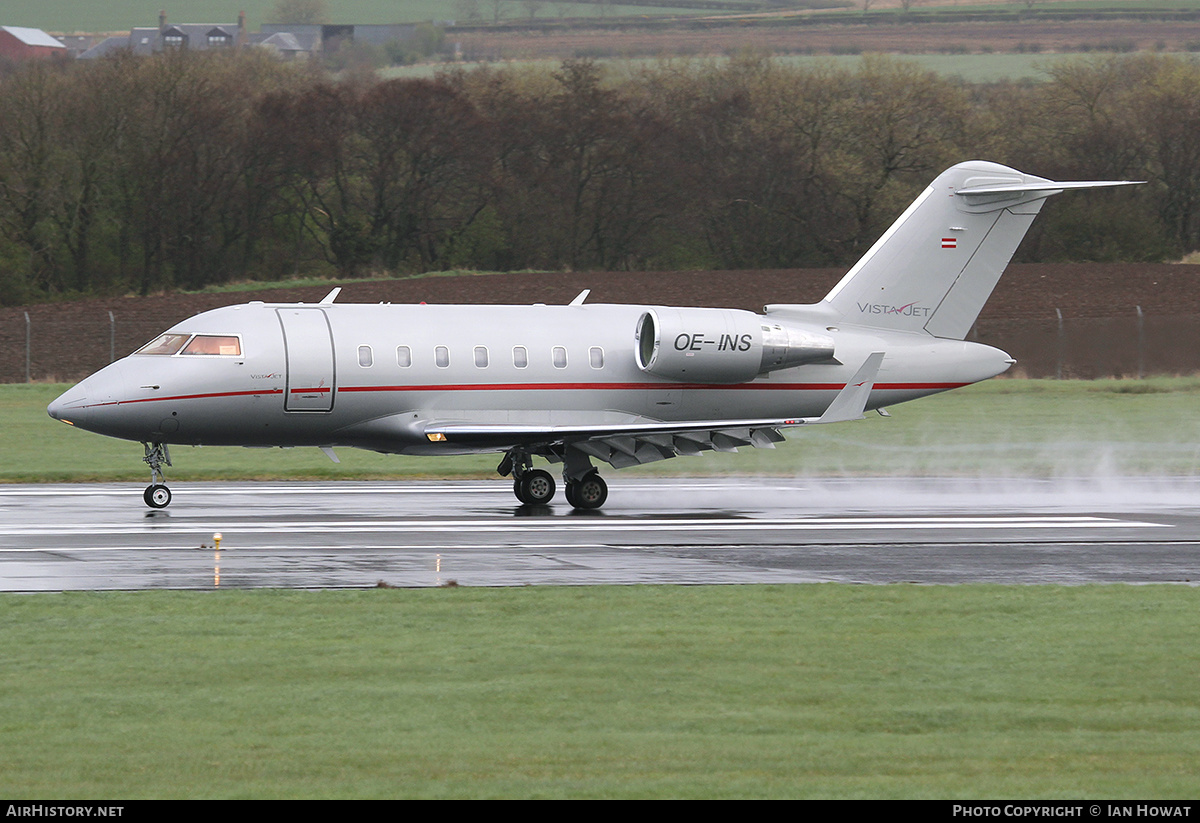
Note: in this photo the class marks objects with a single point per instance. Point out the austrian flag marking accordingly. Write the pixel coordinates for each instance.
(949, 242)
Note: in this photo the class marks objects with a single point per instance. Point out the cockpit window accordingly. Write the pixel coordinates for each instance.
(214, 344)
(164, 344)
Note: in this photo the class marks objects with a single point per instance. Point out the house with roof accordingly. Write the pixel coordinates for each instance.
(167, 36)
(19, 43)
(288, 41)
(315, 38)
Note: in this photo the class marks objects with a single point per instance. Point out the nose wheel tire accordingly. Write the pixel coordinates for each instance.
(157, 496)
(534, 488)
(588, 493)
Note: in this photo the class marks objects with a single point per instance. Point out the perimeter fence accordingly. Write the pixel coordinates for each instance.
(42, 346)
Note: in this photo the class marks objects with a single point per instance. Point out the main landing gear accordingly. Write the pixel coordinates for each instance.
(585, 488)
(589, 492)
(157, 495)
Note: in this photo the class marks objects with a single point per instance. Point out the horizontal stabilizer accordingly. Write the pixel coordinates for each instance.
(1048, 186)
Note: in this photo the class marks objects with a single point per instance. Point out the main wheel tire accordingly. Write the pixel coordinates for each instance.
(536, 488)
(157, 496)
(589, 493)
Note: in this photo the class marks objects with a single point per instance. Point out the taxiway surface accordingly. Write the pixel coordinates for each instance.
(473, 533)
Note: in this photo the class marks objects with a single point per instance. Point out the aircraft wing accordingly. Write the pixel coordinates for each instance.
(630, 444)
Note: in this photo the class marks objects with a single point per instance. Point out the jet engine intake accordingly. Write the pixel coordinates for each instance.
(722, 345)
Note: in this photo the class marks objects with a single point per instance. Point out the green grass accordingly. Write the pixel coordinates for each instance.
(1087, 5)
(1019, 7)
(122, 15)
(1016, 428)
(671, 692)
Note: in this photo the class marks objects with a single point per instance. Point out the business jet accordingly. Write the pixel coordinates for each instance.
(621, 384)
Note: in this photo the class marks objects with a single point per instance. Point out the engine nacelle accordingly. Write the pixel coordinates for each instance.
(722, 345)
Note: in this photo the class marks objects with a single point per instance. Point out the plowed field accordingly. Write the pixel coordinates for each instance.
(1100, 301)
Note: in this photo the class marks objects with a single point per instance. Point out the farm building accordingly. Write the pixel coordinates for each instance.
(189, 36)
(19, 43)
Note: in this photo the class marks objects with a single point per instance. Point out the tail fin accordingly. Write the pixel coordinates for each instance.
(937, 265)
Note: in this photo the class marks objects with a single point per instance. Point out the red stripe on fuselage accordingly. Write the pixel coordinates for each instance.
(554, 387)
(643, 386)
(205, 396)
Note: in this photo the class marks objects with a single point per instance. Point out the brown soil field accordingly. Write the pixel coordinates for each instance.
(697, 38)
(1098, 303)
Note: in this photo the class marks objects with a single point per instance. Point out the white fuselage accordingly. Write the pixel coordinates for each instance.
(374, 376)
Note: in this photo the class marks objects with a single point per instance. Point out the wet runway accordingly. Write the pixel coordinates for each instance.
(473, 533)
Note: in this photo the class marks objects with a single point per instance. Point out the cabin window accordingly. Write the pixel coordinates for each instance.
(164, 344)
(481, 357)
(520, 357)
(560, 357)
(403, 356)
(227, 345)
(441, 356)
(365, 358)
(596, 357)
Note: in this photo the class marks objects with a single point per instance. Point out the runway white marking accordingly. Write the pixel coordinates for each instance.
(560, 524)
(356, 487)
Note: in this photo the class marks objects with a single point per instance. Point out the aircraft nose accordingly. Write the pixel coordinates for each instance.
(84, 404)
(71, 405)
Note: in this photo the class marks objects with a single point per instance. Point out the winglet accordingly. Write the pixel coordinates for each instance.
(851, 401)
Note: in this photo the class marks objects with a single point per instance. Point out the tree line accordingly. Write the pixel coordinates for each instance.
(138, 174)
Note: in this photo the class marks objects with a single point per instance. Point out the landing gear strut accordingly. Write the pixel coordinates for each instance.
(157, 495)
(585, 488)
(533, 487)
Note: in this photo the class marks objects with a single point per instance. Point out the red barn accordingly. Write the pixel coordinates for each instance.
(17, 43)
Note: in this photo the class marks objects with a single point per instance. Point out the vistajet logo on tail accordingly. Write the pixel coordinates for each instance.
(907, 310)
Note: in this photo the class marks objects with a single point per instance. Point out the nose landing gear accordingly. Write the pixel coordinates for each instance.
(157, 495)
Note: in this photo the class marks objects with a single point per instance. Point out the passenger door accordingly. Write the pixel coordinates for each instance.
(308, 341)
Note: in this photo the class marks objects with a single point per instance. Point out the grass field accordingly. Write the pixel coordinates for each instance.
(122, 15)
(1014, 428)
(811, 691)
(671, 692)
